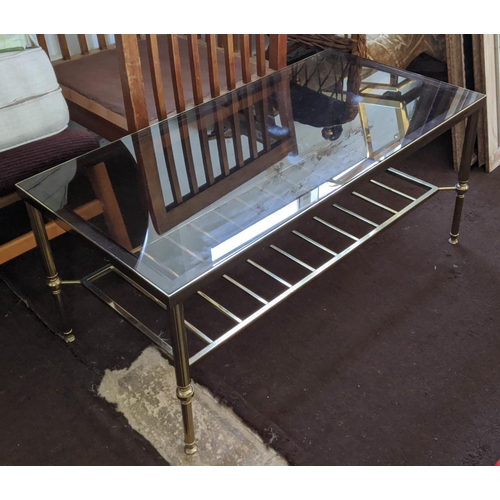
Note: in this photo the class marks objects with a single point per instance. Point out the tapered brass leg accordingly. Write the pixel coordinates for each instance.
(185, 390)
(53, 280)
(463, 175)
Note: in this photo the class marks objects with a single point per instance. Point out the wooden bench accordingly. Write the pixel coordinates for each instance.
(116, 89)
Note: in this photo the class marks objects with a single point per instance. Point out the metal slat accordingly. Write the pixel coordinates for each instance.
(200, 334)
(395, 191)
(373, 202)
(335, 228)
(355, 215)
(291, 257)
(315, 243)
(269, 273)
(245, 289)
(220, 307)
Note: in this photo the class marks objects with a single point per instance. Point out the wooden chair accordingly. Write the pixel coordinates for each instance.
(19, 163)
(101, 85)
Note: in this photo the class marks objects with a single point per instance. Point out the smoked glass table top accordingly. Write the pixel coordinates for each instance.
(177, 200)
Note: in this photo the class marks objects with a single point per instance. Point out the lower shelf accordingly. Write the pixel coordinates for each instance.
(204, 340)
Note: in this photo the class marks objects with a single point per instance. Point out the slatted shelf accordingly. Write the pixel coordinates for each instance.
(210, 342)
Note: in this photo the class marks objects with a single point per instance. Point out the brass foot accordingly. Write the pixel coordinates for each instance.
(453, 239)
(190, 449)
(69, 337)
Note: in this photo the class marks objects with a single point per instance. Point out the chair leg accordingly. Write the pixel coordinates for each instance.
(53, 280)
(103, 189)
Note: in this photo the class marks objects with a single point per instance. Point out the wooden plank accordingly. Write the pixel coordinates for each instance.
(103, 44)
(205, 148)
(26, 242)
(43, 43)
(188, 154)
(286, 112)
(94, 116)
(260, 42)
(194, 63)
(236, 129)
(84, 48)
(213, 67)
(175, 68)
(150, 178)
(63, 44)
(245, 58)
(250, 121)
(277, 51)
(491, 77)
(9, 199)
(132, 82)
(456, 76)
(103, 189)
(156, 77)
(221, 140)
(263, 114)
(170, 161)
(229, 61)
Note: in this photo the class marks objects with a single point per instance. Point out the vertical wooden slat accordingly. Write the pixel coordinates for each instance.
(188, 153)
(213, 67)
(205, 148)
(170, 161)
(84, 48)
(150, 178)
(103, 189)
(175, 68)
(229, 60)
(264, 116)
(245, 58)
(260, 42)
(43, 43)
(156, 78)
(235, 43)
(277, 51)
(252, 133)
(221, 140)
(236, 129)
(63, 43)
(134, 95)
(285, 110)
(194, 63)
(103, 45)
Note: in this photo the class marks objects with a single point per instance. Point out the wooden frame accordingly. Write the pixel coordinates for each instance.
(456, 76)
(112, 126)
(487, 81)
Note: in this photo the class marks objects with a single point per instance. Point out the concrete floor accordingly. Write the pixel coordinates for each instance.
(145, 394)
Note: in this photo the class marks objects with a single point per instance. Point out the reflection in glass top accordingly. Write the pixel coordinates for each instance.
(188, 193)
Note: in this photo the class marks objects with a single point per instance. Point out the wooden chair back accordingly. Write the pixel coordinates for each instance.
(82, 46)
(264, 61)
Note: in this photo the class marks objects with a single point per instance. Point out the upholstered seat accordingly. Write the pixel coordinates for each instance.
(24, 161)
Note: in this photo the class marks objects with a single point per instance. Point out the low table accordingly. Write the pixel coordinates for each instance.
(300, 163)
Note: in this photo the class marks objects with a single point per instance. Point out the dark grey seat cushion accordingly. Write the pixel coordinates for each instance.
(23, 162)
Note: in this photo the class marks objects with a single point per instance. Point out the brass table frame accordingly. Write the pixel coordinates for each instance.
(178, 350)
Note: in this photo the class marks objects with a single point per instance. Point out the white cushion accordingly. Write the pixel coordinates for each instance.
(32, 106)
(25, 74)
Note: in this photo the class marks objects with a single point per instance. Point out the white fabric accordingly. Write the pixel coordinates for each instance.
(25, 74)
(32, 106)
(33, 119)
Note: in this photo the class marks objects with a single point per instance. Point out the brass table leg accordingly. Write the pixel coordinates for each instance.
(185, 390)
(463, 175)
(53, 280)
